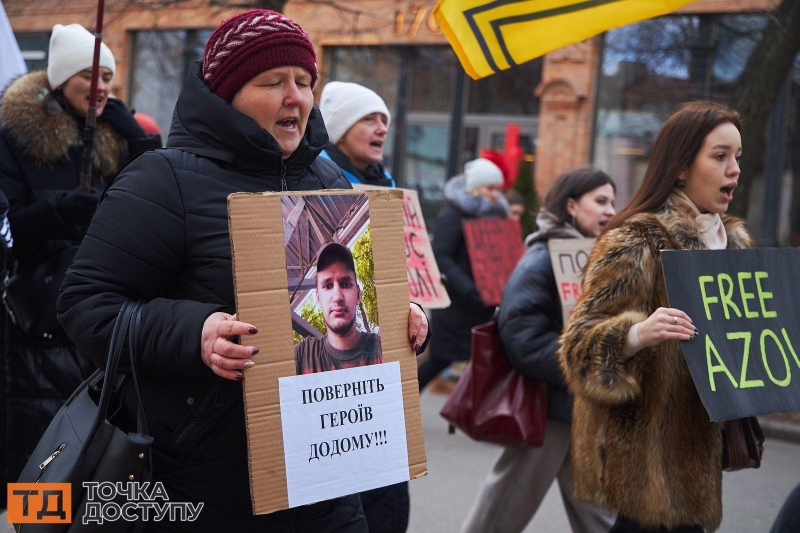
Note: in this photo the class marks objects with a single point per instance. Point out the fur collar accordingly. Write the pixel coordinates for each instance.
(681, 228)
(47, 136)
(455, 193)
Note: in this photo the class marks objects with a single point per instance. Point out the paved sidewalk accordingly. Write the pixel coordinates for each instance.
(781, 426)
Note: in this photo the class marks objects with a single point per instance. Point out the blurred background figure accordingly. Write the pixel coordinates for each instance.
(357, 121)
(474, 194)
(148, 124)
(516, 204)
(41, 147)
(579, 204)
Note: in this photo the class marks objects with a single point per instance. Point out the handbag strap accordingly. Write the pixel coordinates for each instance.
(134, 334)
(116, 345)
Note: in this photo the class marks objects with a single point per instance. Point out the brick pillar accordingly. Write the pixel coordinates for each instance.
(566, 95)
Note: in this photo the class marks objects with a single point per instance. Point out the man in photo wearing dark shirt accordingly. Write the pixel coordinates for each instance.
(338, 295)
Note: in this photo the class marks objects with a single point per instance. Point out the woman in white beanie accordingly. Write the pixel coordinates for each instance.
(42, 115)
(357, 121)
(474, 194)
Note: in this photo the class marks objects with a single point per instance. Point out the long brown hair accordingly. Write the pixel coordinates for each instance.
(676, 146)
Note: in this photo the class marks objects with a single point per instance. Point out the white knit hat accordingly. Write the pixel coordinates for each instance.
(71, 51)
(481, 172)
(343, 104)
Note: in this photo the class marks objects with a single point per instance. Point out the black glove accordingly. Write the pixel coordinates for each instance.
(77, 207)
(121, 119)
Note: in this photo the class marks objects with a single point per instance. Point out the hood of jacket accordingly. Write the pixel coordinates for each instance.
(550, 227)
(455, 194)
(48, 135)
(206, 124)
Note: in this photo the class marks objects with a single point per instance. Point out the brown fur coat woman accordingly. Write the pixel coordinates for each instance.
(642, 442)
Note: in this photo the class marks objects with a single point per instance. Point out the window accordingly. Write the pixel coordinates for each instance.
(34, 48)
(161, 61)
(649, 68)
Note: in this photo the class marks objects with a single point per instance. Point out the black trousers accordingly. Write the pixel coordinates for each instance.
(625, 525)
(429, 370)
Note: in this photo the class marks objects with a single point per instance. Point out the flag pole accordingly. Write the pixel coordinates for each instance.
(91, 113)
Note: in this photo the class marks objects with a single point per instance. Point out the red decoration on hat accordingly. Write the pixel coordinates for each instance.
(508, 160)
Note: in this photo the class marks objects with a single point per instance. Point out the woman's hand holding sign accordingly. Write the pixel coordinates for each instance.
(417, 328)
(218, 349)
(666, 324)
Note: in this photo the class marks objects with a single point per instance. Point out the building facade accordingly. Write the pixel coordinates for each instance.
(599, 102)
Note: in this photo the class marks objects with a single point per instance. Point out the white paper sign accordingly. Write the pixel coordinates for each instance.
(344, 431)
(569, 258)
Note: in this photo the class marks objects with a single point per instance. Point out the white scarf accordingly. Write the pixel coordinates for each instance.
(709, 225)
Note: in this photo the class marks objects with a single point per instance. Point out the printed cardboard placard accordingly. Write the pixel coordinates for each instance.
(424, 279)
(746, 306)
(569, 258)
(332, 404)
(494, 246)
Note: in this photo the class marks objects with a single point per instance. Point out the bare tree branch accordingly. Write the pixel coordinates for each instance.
(755, 94)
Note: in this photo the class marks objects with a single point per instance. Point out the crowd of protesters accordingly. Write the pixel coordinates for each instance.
(246, 121)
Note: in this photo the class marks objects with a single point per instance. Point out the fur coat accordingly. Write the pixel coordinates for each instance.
(40, 160)
(48, 136)
(642, 442)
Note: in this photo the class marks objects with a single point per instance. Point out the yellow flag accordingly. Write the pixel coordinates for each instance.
(490, 36)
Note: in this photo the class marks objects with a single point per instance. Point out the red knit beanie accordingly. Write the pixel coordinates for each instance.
(247, 44)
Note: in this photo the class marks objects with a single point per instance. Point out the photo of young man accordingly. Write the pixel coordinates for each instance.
(338, 295)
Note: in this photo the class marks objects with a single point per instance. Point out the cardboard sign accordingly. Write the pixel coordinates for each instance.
(424, 278)
(325, 440)
(746, 306)
(569, 258)
(494, 246)
(277, 240)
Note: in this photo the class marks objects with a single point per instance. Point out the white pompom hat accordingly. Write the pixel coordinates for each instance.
(343, 104)
(71, 51)
(481, 172)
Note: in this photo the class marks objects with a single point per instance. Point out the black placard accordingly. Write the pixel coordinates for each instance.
(746, 305)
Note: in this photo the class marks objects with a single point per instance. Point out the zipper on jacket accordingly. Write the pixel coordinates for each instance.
(285, 165)
(211, 396)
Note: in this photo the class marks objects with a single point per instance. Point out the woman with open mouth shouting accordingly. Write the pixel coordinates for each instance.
(642, 442)
(358, 121)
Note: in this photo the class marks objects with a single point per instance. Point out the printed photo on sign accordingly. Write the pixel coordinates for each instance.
(331, 282)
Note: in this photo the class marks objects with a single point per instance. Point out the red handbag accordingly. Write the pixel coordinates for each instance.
(493, 401)
(742, 444)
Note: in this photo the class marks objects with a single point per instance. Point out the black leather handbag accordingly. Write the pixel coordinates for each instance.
(30, 295)
(82, 445)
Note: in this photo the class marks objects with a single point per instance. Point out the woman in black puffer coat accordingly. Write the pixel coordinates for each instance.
(41, 148)
(244, 122)
(578, 205)
(474, 194)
